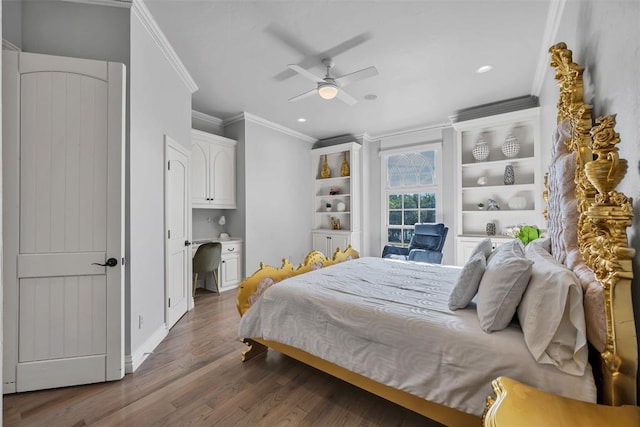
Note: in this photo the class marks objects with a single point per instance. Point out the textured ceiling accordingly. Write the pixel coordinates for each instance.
(426, 53)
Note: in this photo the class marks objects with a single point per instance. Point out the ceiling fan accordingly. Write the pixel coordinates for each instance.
(331, 87)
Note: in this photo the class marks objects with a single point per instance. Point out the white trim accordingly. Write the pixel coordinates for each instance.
(498, 119)
(139, 9)
(554, 16)
(437, 145)
(408, 131)
(271, 125)
(197, 115)
(7, 45)
(113, 3)
(134, 360)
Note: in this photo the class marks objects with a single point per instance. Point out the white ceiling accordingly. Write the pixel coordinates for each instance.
(426, 53)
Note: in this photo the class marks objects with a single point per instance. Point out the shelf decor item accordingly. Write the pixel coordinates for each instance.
(509, 175)
(480, 151)
(482, 180)
(492, 205)
(327, 207)
(517, 203)
(480, 206)
(341, 207)
(326, 170)
(511, 146)
(335, 223)
(344, 169)
(491, 229)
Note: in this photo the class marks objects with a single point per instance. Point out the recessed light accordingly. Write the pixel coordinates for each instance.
(484, 69)
(371, 97)
(302, 120)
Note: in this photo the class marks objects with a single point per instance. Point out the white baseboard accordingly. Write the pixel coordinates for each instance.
(9, 388)
(134, 360)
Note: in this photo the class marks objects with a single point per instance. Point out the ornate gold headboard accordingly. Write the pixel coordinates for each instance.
(603, 217)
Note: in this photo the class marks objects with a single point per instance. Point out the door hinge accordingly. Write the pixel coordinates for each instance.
(123, 261)
(168, 234)
(169, 165)
(169, 302)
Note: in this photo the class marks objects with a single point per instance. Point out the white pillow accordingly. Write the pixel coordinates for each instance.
(466, 286)
(551, 314)
(503, 283)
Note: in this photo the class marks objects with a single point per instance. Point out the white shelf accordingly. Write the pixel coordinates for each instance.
(470, 221)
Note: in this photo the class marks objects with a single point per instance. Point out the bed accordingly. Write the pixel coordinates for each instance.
(387, 325)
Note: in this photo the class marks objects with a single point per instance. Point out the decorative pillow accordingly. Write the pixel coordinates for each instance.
(485, 246)
(551, 314)
(503, 283)
(467, 285)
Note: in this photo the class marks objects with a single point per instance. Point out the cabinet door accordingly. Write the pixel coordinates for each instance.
(320, 243)
(223, 176)
(230, 270)
(199, 173)
(337, 241)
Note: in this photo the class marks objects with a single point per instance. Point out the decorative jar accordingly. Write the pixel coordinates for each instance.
(480, 151)
(511, 146)
(491, 229)
(509, 175)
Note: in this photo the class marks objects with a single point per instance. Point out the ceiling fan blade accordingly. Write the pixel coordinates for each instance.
(346, 98)
(304, 95)
(307, 74)
(365, 73)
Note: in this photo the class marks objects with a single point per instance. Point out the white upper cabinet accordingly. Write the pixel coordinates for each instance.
(213, 171)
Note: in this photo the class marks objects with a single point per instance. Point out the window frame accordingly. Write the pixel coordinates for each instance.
(385, 191)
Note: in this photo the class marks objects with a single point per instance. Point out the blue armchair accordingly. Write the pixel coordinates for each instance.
(425, 245)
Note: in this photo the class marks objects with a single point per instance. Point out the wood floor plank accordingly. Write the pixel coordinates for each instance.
(195, 378)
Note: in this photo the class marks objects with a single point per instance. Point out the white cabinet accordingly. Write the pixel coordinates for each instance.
(213, 171)
(230, 265)
(328, 242)
(466, 244)
(336, 198)
(479, 181)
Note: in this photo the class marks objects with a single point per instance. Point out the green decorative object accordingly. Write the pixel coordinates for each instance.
(528, 233)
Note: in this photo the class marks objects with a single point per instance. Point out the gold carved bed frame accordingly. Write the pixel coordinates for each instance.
(604, 215)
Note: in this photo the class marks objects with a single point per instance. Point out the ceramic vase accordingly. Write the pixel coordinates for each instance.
(480, 151)
(326, 171)
(491, 229)
(344, 169)
(509, 175)
(511, 146)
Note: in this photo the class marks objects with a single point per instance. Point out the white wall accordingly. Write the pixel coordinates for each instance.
(160, 103)
(12, 21)
(274, 194)
(603, 36)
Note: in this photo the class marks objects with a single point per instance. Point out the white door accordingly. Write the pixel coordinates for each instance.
(178, 224)
(63, 193)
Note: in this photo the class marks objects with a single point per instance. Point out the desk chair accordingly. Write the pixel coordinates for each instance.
(426, 244)
(205, 261)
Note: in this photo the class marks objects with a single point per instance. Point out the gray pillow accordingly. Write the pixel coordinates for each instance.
(502, 286)
(467, 285)
(485, 246)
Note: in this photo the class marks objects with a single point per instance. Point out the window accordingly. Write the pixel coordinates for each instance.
(411, 192)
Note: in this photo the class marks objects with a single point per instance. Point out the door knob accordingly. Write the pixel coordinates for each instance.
(187, 243)
(111, 262)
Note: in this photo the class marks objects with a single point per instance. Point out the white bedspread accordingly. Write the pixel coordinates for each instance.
(389, 320)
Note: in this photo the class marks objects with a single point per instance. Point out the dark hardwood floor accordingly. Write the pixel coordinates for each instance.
(195, 377)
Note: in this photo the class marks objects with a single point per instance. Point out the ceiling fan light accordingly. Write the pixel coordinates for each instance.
(327, 91)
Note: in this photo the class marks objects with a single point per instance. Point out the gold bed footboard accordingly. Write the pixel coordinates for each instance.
(253, 286)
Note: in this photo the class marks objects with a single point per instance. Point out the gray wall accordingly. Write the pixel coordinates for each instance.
(12, 21)
(160, 104)
(603, 36)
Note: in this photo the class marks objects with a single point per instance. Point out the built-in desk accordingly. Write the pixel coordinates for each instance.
(230, 270)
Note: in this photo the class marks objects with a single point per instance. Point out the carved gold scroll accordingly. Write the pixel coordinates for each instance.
(604, 215)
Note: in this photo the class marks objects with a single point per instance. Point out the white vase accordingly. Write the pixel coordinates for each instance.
(480, 151)
(511, 146)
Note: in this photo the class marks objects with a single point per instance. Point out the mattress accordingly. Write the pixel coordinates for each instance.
(389, 321)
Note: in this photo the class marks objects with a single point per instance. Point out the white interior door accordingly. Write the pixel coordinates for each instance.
(64, 184)
(178, 224)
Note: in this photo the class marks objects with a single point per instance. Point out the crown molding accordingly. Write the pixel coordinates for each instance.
(113, 3)
(409, 131)
(7, 45)
(140, 10)
(197, 115)
(268, 124)
(554, 16)
(365, 138)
